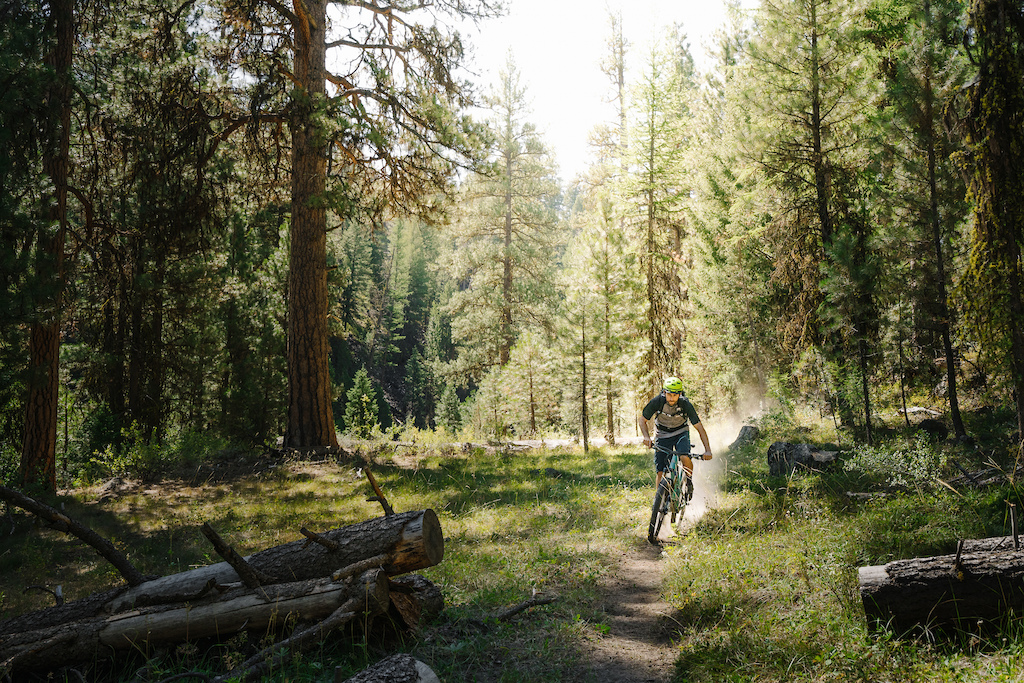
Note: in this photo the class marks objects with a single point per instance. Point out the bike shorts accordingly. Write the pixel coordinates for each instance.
(680, 443)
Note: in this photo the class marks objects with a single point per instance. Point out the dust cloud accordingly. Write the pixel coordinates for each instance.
(709, 475)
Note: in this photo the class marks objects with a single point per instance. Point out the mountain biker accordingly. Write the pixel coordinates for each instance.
(672, 413)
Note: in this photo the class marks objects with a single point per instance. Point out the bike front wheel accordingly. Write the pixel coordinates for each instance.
(659, 509)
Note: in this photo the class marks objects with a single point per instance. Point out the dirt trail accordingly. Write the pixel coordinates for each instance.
(638, 645)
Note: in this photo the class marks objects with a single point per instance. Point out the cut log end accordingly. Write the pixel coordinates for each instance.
(421, 545)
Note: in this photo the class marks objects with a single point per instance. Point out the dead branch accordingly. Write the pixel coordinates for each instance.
(523, 606)
(360, 567)
(62, 522)
(317, 538)
(251, 577)
(266, 659)
(388, 510)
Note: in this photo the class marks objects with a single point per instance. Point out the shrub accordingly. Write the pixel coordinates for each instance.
(912, 465)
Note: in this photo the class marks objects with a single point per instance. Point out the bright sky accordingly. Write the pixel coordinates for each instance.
(558, 46)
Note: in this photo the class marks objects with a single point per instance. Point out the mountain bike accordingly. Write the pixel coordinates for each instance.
(674, 492)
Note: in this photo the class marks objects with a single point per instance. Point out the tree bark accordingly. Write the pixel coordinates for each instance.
(310, 414)
(409, 541)
(39, 446)
(217, 614)
(975, 588)
(400, 668)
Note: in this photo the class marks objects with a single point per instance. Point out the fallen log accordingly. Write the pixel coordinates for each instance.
(400, 668)
(785, 458)
(405, 542)
(399, 543)
(218, 614)
(416, 600)
(312, 579)
(973, 588)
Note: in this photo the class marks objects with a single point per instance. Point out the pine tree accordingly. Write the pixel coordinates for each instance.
(528, 384)
(994, 138)
(733, 341)
(656, 188)
(506, 237)
(388, 132)
(449, 410)
(812, 94)
(921, 69)
(361, 414)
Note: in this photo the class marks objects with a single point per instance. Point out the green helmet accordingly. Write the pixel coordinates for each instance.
(673, 384)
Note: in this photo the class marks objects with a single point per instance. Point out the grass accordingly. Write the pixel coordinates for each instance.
(764, 586)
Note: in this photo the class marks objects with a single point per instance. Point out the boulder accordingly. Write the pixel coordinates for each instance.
(936, 429)
(748, 434)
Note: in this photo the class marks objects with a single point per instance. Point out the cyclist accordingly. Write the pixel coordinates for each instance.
(672, 413)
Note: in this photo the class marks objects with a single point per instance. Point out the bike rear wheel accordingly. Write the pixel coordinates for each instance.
(659, 509)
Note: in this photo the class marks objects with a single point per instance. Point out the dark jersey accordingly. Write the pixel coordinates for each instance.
(670, 420)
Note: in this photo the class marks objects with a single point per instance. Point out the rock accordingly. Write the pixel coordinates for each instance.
(400, 668)
(935, 429)
(748, 434)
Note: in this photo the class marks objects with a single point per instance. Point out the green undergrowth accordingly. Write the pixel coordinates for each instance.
(765, 586)
(762, 588)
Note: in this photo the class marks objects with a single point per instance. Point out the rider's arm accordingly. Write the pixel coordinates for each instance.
(704, 439)
(649, 411)
(642, 423)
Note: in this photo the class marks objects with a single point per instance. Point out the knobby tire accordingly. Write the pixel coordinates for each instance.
(683, 500)
(659, 510)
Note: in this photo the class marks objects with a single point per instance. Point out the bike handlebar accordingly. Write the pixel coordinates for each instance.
(692, 455)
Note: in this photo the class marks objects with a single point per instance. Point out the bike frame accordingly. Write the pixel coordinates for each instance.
(670, 498)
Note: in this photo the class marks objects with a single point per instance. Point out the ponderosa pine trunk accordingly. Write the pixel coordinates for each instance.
(310, 414)
(39, 447)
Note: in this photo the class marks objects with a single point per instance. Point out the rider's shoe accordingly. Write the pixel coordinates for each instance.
(689, 488)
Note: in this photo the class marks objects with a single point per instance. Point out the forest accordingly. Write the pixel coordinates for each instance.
(254, 250)
(229, 226)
